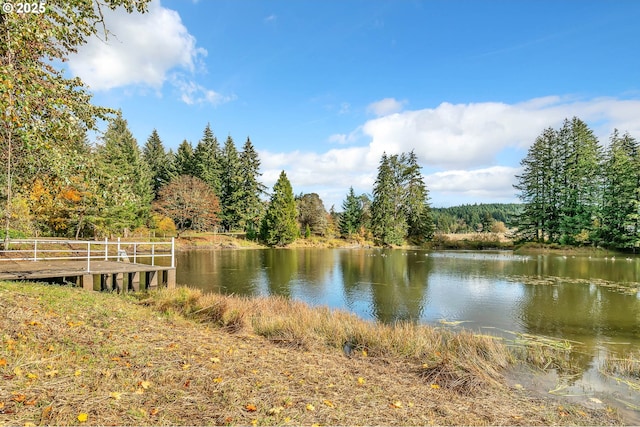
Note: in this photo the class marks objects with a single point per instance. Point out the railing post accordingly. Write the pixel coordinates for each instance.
(118, 251)
(153, 254)
(135, 252)
(88, 256)
(173, 252)
(106, 249)
(35, 249)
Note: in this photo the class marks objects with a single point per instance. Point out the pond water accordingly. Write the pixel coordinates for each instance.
(592, 301)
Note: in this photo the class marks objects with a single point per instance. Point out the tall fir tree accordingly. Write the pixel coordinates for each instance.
(158, 162)
(580, 184)
(560, 185)
(125, 180)
(251, 189)
(416, 200)
(231, 187)
(538, 192)
(207, 158)
(279, 227)
(184, 160)
(388, 223)
(620, 209)
(351, 218)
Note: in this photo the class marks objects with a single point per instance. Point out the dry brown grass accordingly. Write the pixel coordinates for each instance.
(180, 357)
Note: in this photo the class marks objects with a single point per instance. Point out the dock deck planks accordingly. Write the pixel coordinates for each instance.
(111, 273)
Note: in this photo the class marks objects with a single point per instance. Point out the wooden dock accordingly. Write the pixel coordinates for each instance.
(109, 271)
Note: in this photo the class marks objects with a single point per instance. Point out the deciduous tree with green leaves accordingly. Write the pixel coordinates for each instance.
(311, 213)
(40, 105)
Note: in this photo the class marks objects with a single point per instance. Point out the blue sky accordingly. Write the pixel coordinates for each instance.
(323, 88)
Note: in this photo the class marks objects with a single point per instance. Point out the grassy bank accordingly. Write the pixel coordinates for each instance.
(466, 241)
(471, 241)
(558, 249)
(69, 356)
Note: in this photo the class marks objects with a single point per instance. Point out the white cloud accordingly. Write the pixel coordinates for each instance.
(343, 138)
(463, 140)
(495, 182)
(385, 106)
(192, 93)
(144, 49)
(471, 135)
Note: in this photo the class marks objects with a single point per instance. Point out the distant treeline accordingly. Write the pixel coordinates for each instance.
(483, 217)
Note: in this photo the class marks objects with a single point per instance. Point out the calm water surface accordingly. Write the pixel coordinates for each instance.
(594, 301)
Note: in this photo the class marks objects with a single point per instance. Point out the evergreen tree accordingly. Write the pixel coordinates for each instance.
(416, 199)
(620, 209)
(251, 189)
(388, 223)
(184, 160)
(158, 162)
(207, 156)
(538, 219)
(560, 185)
(351, 218)
(400, 207)
(580, 184)
(125, 180)
(231, 189)
(279, 225)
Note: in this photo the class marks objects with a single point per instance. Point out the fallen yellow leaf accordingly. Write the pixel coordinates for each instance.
(52, 373)
(115, 395)
(145, 384)
(83, 417)
(310, 407)
(3, 362)
(397, 404)
(435, 386)
(217, 380)
(251, 408)
(31, 376)
(276, 410)
(215, 360)
(364, 353)
(361, 380)
(328, 403)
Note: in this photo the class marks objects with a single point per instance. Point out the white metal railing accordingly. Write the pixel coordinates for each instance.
(51, 249)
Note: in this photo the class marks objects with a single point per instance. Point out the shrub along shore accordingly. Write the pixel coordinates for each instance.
(177, 357)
